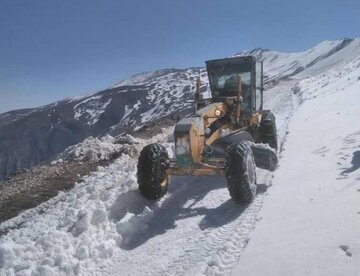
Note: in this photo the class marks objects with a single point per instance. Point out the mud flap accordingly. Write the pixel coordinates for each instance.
(265, 157)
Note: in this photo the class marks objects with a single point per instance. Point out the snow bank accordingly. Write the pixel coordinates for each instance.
(77, 230)
(95, 149)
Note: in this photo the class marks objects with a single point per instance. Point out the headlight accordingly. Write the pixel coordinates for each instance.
(217, 112)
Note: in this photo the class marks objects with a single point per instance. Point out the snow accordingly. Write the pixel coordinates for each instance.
(139, 78)
(166, 92)
(80, 97)
(277, 64)
(343, 56)
(95, 149)
(76, 231)
(91, 109)
(310, 218)
(147, 77)
(303, 220)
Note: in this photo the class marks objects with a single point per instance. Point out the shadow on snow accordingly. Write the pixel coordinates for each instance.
(164, 216)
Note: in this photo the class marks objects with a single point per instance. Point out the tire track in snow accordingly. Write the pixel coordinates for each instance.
(218, 249)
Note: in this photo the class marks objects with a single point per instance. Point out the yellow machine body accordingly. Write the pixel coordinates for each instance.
(191, 138)
(233, 116)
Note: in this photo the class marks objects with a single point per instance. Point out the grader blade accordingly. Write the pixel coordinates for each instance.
(265, 157)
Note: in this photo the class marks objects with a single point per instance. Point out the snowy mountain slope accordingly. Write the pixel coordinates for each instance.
(315, 60)
(104, 227)
(310, 220)
(113, 111)
(167, 94)
(27, 139)
(148, 77)
(346, 54)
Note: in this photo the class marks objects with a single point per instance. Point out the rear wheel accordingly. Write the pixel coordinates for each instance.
(240, 171)
(152, 177)
(267, 130)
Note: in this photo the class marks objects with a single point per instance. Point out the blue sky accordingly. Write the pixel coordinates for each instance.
(53, 49)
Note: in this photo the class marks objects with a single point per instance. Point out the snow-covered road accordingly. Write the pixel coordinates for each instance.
(311, 219)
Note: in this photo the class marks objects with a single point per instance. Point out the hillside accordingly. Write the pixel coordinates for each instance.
(303, 220)
(30, 137)
(33, 136)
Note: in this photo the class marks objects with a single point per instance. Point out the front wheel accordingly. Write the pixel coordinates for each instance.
(152, 177)
(240, 171)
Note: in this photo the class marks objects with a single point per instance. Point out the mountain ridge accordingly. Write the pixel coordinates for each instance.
(33, 136)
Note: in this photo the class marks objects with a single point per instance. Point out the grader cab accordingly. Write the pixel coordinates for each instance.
(229, 136)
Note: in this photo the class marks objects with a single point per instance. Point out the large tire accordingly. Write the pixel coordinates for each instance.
(240, 171)
(151, 174)
(267, 130)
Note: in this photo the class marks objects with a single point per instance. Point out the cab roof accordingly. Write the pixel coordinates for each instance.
(234, 60)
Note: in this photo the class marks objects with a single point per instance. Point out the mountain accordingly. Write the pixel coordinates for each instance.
(29, 137)
(32, 136)
(315, 60)
(304, 219)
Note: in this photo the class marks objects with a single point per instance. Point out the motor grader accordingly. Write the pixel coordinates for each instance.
(229, 135)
